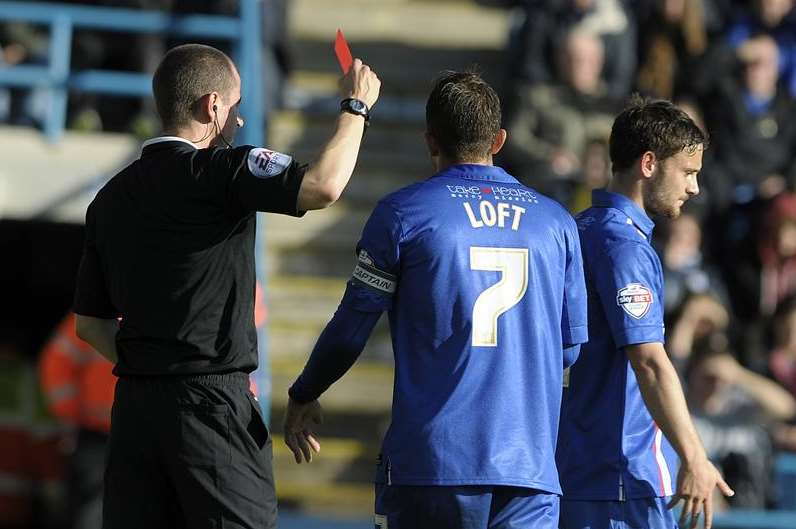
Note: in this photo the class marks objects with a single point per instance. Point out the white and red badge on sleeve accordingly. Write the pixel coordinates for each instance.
(635, 299)
(264, 163)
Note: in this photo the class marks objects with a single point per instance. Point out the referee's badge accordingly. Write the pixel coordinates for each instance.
(635, 299)
(264, 163)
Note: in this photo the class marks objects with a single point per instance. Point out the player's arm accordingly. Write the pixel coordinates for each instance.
(369, 293)
(660, 387)
(99, 333)
(629, 281)
(326, 178)
(338, 347)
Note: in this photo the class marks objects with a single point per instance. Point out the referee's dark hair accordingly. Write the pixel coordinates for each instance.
(657, 126)
(463, 115)
(184, 76)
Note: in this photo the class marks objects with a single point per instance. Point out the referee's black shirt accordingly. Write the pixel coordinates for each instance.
(170, 250)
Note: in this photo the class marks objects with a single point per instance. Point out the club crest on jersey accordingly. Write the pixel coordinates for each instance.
(264, 163)
(364, 257)
(635, 299)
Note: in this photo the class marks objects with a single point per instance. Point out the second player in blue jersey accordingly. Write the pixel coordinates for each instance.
(623, 402)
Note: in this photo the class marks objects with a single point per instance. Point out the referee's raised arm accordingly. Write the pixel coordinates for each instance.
(326, 178)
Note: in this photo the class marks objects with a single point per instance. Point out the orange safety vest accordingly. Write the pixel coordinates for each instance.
(77, 381)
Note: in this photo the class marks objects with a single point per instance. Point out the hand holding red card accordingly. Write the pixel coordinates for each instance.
(343, 52)
(359, 81)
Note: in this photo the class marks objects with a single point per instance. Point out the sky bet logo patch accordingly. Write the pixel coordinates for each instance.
(635, 299)
(265, 164)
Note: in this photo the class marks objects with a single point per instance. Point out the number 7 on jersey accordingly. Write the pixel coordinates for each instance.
(500, 297)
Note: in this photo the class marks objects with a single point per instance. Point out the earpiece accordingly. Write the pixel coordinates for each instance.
(218, 127)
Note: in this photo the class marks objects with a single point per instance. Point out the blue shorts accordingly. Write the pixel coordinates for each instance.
(464, 507)
(641, 513)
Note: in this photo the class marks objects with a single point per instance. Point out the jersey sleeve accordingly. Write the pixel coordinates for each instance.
(375, 277)
(91, 292)
(574, 314)
(629, 282)
(259, 179)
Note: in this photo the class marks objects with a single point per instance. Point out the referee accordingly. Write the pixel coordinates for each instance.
(166, 291)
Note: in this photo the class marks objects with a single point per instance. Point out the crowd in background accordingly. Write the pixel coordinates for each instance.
(729, 261)
(24, 43)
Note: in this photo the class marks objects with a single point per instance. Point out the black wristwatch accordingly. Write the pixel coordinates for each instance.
(356, 107)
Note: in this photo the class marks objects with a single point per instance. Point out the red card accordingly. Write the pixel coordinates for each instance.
(343, 52)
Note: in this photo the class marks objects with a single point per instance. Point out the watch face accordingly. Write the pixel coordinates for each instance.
(357, 105)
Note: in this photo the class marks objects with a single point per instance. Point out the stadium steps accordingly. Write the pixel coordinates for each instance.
(407, 42)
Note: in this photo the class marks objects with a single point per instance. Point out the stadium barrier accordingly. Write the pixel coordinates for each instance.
(244, 31)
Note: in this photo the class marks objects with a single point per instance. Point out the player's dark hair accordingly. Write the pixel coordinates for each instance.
(652, 125)
(463, 115)
(184, 76)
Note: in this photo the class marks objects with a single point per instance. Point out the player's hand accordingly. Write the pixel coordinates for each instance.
(695, 484)
(361, 83)
(299, 420)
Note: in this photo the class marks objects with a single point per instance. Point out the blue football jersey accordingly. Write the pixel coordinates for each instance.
(609, 447)
(483, 281)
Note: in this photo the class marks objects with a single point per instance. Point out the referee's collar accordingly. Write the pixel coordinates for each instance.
(163, 141)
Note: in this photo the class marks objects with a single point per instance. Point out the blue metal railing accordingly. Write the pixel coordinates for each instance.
(244, 31)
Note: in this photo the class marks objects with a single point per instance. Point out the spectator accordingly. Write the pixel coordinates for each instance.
(733, 409)
(752, 126)
(553, 123)
(673, 35)
(21, 43)
(31, 466)
(595, 173)
(545, 26)
(778, 254)
(782, 360)
(78, 386)
(685, 271)
(777, 19)
(762, 272)
(132, 52)
(700, 316)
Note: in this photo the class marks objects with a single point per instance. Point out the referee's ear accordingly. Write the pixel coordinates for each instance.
(207, 108)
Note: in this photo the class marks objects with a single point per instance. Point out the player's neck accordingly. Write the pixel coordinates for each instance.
(628, 187)
(441, 163)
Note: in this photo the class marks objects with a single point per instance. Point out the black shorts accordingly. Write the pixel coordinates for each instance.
(189, 452)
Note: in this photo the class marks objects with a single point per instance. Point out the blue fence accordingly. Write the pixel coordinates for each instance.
(244, 32)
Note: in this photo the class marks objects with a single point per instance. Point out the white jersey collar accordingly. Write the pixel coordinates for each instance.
(161, 139)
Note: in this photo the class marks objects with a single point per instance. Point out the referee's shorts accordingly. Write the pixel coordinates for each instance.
(188, 452)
